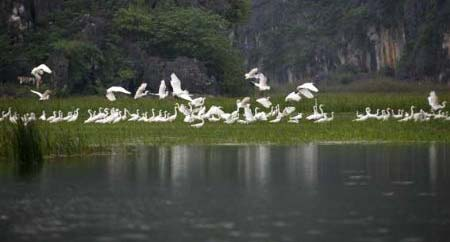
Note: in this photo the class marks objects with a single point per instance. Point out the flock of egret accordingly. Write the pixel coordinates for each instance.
(404, 116)
(195, 112)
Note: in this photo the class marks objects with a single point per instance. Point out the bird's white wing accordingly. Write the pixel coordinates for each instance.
(162, 88)
(262, 79)
(306, 93)
(293, 96)
(433, 99)
(37, 93)
(118, 89)
(110, 96)
(185, 96)
(140, 90)
(245, 100)
(46, 93)
(175, 83)
(45, 68)
(35, 71)
(264, 102)
(309, 85)
(251, 73)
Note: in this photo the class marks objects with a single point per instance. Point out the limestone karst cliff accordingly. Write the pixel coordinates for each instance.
(95, 43)
(292, 40)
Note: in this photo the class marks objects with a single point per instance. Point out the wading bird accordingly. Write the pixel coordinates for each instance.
(38, 71)
(433, 101)
(110, 92)
(42, 96)
(262, 82)
(251, 74)
(141, 92)
(162, 93)
(264, 101)
(177, 91)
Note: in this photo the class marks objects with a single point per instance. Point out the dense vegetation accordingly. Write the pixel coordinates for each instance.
(93, 44)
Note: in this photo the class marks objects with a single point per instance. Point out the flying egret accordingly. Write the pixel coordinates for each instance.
(262, 82)
(141, 92)
(309, 86)
(293, 97)
(241, 103)
(433, 101)
(110, 92)
(177, 91)
(162, 92)
(251, 73)
(38, 71)
(42, 96)
(264, 101)
(198, 102)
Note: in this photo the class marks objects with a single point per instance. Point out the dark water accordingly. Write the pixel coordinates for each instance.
(310, 192)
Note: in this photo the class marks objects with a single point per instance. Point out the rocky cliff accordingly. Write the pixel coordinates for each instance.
(91, 44)
(303, 39)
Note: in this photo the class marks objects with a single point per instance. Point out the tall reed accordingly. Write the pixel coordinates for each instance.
(26, 143)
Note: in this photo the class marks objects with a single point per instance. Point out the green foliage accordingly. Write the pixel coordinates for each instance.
(83, 57)
(26, 143)
(187, 32)
(239, 11)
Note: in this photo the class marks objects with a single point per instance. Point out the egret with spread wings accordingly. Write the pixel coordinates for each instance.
(176, 87)
(110, 92)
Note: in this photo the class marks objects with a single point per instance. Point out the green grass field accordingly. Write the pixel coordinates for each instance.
(75, 138)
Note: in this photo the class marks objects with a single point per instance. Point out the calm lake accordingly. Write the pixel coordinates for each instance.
(312, 192)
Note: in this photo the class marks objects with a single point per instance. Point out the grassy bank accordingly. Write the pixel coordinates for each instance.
(74, 138)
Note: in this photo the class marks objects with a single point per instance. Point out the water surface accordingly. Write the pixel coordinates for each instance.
(371, 192)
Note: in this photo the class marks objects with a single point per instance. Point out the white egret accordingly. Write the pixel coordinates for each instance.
(293, 97)
(38, 71)
(141, 92)
(177, 91)
(42, 117)
(241, 103)
(262, 82)
(110, 92)
(306, 93)
(42, 96)
(264, 101)
(433, 101)
(198, 102)
(251, 73)
(309, 86)
(162, 92)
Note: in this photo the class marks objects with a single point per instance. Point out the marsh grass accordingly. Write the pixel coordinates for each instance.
(25, 143)
(79, 138)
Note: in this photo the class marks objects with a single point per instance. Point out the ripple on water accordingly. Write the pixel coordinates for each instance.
(412, 239)
(134, 236)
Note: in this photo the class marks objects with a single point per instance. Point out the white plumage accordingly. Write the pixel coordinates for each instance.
(42, 96)
(262, 82)
(241, 103)
(264, 101)
(433, 101)
(308, 85)
(176, 87)
(293, 97)
(251, 73)
(141, 92)
(110, 92)
(306, 93)
(39, 70)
